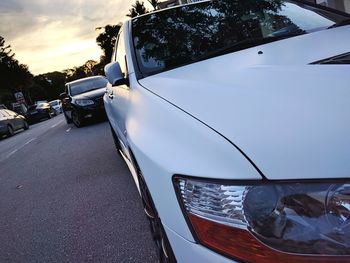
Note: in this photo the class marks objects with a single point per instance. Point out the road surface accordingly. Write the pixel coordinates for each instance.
(66, 196)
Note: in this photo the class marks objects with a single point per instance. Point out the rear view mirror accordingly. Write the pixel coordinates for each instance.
(115, 75)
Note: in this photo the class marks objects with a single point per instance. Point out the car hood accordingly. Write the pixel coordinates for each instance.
(92, 94)
(290, 118)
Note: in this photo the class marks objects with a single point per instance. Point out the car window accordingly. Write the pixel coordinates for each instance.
(179, 36)
(121, 54)
(86, 85)
(53, 103)
(43, 105)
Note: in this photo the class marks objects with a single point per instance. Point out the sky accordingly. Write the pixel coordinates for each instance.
(49, 35)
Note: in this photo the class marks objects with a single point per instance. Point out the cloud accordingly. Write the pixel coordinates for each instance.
(57, 34)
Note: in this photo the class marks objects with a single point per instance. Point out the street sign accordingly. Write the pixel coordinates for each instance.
(19, 97)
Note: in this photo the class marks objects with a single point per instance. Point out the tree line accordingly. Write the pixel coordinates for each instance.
(16, 77)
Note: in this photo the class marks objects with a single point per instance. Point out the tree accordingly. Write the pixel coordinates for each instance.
(106, 40)
(88, 69)
(6, 54)
(154, 3)
(14, 76)
(48, 86)
(138, 8)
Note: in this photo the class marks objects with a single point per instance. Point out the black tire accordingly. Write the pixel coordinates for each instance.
(25, 125)
(68, 120)
(165, 252)
(10, 131)
(115, 140)
(77, 120)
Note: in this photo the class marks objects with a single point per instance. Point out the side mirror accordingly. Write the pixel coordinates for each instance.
(64, 98)
(115, 75)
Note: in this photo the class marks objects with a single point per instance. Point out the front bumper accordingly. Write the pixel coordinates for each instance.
(186, 251)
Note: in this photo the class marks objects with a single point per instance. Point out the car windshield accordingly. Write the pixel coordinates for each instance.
(87, 85)
(53, 103)
(42, 105)
(179, 36)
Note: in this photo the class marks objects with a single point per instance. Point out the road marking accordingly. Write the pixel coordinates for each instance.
(53, 126)
(28, 142)
(14, 151)
(68, 129)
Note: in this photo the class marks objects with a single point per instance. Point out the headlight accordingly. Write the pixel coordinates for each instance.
(270, 222)
(84, 102)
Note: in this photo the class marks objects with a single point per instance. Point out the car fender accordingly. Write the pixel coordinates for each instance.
(167, 141)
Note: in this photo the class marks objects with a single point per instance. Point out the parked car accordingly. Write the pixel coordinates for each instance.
(10, 122)
(37, 113)
(40, 101)
(233, 117)
(56, 105)
(83, 100)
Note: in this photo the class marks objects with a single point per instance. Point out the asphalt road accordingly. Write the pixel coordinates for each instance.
(67, 196)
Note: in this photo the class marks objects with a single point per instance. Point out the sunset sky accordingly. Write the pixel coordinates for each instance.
(50, 35)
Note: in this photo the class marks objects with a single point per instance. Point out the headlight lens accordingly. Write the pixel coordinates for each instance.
(84, 102)
(270, 222)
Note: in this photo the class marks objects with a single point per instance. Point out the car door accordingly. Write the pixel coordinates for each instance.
(3, 121)
(13, 119)
(118, 96)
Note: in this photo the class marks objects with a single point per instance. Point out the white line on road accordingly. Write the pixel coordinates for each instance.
(68, 129)
(16, 150)
(28, 142)
(53, 126)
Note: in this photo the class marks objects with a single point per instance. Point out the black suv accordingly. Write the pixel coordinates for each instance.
(83, 100)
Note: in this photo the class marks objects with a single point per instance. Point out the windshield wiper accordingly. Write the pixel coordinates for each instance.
(343, 22)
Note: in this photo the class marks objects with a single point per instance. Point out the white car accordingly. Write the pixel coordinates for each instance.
(56, 105)
(233, 118)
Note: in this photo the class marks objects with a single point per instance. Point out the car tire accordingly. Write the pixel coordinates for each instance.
(68, 120)
(10, 131)
(25, 125)
(116, 140)
(77, 120)
(165, 252)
